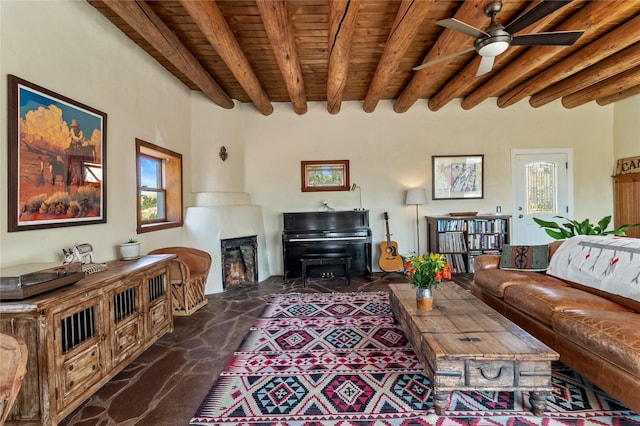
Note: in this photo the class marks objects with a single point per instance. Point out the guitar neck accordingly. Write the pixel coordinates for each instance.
(386, 224)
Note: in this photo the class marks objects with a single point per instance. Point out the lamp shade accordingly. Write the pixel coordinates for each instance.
(416, 196)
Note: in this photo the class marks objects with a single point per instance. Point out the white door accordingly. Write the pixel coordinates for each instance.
(541, 188)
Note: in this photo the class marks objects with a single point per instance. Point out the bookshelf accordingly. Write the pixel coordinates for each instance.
(462, 238)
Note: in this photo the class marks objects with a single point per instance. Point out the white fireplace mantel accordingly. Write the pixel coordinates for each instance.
(218, 216)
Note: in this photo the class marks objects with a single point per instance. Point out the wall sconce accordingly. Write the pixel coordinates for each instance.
(223, 153)
(353, 188)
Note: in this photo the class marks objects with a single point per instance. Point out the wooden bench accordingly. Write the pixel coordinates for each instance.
(321, 259)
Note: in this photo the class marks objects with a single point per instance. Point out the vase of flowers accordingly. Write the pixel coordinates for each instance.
(425, 273)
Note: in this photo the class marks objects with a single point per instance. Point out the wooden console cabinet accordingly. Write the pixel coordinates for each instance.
(82, 335)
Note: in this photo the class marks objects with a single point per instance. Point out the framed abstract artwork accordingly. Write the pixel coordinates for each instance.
(325, 175)
(57, 160)
(458, 177)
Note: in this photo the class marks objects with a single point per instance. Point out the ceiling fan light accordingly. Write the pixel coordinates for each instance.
(492, 49)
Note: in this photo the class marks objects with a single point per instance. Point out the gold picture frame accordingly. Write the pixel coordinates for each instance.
(330, 175)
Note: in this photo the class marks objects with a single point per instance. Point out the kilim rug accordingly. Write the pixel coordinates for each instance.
(339, 359)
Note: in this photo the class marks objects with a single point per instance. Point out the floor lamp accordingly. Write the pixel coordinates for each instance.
(416, 196)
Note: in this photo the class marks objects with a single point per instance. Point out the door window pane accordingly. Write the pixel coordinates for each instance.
(541, 184)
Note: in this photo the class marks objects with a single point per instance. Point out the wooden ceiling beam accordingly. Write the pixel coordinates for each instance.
(209, 19)
(465, 78)
(410, 16)
(613, 65)
(342, 25)
(275, 18)
(593, 16)
(448, 43)
(353, 50)
(606, 100)
(150, 27)
(457, 84)
(612, 85)
(615, 41)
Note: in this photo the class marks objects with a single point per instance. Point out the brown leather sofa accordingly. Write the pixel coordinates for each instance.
(595, 332)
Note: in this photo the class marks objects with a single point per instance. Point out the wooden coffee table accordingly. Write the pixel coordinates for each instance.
(463, 344)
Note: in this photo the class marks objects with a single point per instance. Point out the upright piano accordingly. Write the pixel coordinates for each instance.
(327, 232)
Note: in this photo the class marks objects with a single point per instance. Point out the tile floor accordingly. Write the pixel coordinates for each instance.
(165, 385)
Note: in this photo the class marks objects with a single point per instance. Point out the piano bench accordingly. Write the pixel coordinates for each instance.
(326, 259)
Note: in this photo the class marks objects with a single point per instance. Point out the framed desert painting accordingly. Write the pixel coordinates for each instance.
(458, 177)
(57, 159)
(332, 175)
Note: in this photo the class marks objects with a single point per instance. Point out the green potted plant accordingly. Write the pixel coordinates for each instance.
(571, 228)
(130, 249)
(425, 273)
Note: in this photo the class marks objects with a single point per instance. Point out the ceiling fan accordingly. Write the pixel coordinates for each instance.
(497, 38)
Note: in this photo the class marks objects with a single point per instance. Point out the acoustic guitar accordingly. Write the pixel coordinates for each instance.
(390, 260)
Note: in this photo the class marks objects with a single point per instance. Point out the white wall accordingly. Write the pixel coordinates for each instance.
(627, 128)
(212, 128)
(391, 152)
(70, 48)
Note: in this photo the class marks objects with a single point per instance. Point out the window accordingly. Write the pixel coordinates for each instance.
(159, 195)
(542, 188)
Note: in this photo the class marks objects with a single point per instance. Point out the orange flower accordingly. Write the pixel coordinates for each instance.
(446, 271)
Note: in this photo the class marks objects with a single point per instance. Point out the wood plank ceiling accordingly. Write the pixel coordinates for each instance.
(297, 51)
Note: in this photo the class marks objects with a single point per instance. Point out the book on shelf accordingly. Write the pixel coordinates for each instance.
(487, 226)
(456, 262)
(452, 225)
(472, 255)
(486, 241)
(452, 242)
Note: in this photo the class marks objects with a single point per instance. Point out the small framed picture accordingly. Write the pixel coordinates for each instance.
(458, 177)
(330, 175)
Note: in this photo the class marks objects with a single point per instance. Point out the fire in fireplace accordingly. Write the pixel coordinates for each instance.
(239, 261)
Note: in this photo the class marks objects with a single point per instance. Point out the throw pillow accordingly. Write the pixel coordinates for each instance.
(531, 258)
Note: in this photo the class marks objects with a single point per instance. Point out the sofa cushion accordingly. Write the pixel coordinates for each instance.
(494, 281)
(532, 258)
(541, 300)
(615, 336)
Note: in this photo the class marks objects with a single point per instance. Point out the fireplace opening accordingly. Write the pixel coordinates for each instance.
(239, 261)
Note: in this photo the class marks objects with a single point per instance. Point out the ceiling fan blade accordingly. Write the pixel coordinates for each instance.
(486, 64)
(454, 24)
(442, 59)
(536, 13)
(559, 38)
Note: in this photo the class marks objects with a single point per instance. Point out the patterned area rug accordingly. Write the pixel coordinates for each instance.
(339, 359)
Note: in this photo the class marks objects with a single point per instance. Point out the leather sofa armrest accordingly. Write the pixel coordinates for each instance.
(553, 247)
(486, 261)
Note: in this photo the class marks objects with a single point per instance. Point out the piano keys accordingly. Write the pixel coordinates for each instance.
(326, 232)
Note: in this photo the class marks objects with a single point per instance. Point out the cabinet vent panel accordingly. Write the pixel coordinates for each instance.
(156, 287)
(124, 304)
(77, 328)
